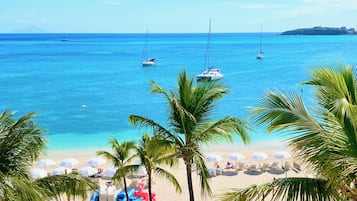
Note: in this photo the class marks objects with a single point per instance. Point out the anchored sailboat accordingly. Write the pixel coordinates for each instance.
(147, 61)
(210, 73)
(260, 54)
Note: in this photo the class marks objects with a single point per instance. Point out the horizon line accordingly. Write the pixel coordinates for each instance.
(272, 32)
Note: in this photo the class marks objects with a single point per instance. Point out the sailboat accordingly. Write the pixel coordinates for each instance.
(146, 60)
(210, 73)
(260, 54)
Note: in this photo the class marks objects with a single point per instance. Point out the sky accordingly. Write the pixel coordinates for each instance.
(179, 16)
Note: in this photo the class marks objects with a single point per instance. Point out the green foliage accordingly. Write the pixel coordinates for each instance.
(21, 143)
(121, 157)
(154, 152)
(190, 125)
(325, 140)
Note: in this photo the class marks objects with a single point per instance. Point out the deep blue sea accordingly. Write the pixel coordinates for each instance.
(54, 78)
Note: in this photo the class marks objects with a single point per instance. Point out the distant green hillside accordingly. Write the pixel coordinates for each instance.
(321, 31)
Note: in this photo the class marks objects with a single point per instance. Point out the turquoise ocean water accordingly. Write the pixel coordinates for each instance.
(41, 73)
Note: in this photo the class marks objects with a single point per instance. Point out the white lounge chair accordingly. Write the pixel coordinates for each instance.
(240, 166)
(275, 166)
(212, 172)
(287, 166)
(265, 167)
(252, 168)
(296, 167)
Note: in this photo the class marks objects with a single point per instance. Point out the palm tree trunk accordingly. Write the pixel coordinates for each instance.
(126, 189)
(189, 181)
(149, 185)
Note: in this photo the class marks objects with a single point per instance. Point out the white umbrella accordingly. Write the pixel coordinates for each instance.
(213, 158)
(281, 155)
(96, 162)
(61, 170)
(87, 171)
(141, 172)
(37, 173)
(235, 156)
(110, 172)
(69, 162)
(45, 163)
(137, 161)
(259, 156)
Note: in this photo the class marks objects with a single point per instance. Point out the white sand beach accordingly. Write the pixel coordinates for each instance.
(219, 184)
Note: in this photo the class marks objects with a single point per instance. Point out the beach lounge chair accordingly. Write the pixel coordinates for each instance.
(107, 193)
(265, 167)
(240, 166)
(275, 166)
(219, 171)
(287, 166)
(212, 172)
(252, 168)
(296, 167)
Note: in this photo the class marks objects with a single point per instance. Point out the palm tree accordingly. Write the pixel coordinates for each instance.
(325, 140)
(155, 151)
(21, 143)
(121, 158)
(190, 124)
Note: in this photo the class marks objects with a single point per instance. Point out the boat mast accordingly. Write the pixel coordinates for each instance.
(208, 45)
(145, 49)
(260, 47)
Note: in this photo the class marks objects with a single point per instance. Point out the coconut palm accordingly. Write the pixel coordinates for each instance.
(121, 158)
(325, 140)
(153, 152)
(190, 124)
(21, 143)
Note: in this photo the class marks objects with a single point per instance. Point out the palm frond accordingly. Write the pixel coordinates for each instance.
(290, 189)
(74, 185)
(170, 177)
(140, 121)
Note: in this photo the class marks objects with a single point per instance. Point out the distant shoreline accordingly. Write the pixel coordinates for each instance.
(321, 31)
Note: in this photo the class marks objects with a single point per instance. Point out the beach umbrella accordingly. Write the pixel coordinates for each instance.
(69, 162)
(141, 172)
(235, 156)
(96, 162)
(87, 171)
(37, 173)
(110, 172)
(213, 158)
(45, 163)
(61, 170)
(137, 161)
(281, 155)
(259, 156)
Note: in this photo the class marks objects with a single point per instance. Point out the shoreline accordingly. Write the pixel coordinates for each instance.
(219, 184)
(278, 145)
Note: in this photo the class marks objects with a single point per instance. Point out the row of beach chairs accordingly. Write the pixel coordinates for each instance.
(265, 167)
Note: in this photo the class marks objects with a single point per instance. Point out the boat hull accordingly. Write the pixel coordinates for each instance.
(148, 63)
(209, 75)
(260, 56)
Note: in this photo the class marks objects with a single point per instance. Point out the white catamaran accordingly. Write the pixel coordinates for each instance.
(210, 73)
(147, 61)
